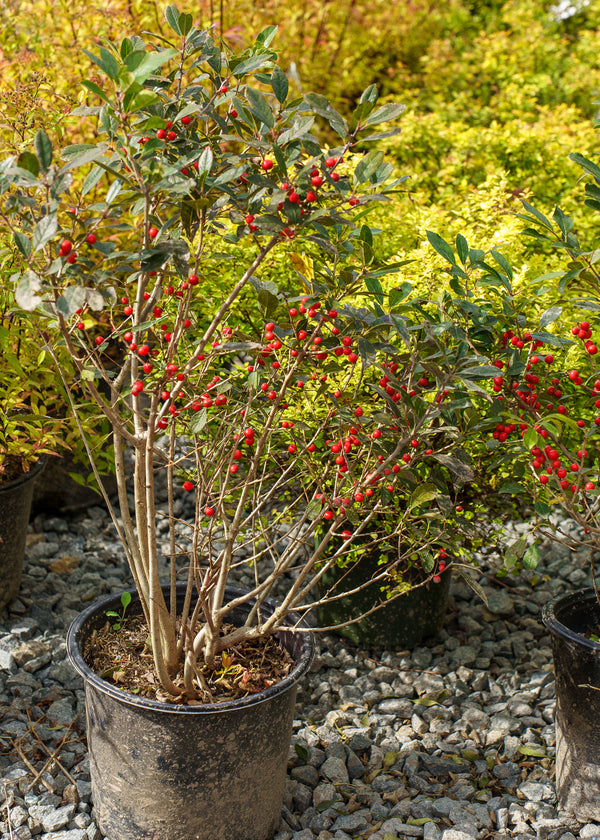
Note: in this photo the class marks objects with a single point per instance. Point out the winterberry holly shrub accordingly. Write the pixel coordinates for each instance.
(344, 407)
(540, 414)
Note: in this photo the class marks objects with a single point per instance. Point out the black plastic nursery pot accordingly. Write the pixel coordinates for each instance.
(15, 508)
(403, 623)
(161, 771)
(577, 676)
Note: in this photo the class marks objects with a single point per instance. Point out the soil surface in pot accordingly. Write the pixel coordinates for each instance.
(120, 653)
(12, 468)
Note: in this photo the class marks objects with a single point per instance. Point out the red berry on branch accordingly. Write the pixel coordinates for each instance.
(152, 232)
(208, 511)
(267, 164)
(91, 238)
(188, 486)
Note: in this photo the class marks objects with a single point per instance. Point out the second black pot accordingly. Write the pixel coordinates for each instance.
(402, 623)
(577, 676)
(162, 771)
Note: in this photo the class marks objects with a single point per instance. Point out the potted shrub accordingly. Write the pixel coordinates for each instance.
(542, 424)
(27, 433)
(141, 254)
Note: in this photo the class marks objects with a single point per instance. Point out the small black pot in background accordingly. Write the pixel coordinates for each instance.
(577, 675)
(401, 624)
(162, 771)
(15, 508)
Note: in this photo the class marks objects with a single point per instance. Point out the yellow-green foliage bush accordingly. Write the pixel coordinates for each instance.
(497, 95)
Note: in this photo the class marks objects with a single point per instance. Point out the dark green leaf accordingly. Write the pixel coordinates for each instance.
(267, 35)
(94, 88)
(441, 246)
(462, 248)
(279, 83)
(151, 63)
(385, 113)
(459, 468)
(172, 17)
(23, 244)
(588, 165)
(503, 263)
(251, 64)
(536, 213)
(258, 105)
(28, 161)
(43, 149)
(515, 551)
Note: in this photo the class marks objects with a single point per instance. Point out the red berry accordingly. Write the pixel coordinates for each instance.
(91, 238)
(171, 135)
(310, 196)
(137, 387)
(188, 485)
(153, 232)
(65, 246)
(186, 120)
(99, 340)
(209, 511)
(267, 164)
(161, 134)
(316, 181)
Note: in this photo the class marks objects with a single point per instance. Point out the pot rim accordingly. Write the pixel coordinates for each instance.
(77, 627)
(35, 470)
(552, 622)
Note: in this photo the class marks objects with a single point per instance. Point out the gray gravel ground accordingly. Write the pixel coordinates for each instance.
(451, 741)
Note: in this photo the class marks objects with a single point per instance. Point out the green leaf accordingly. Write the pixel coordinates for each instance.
(389, 759)
(441, 246)
(44, 231)
(314, 509)
(172, 16)
(126, 599)
(250, 64)
(199, 421)
(205, 162)
(91, 179)
(106, 62)
(550, 315)
(302, 752)
(151, 63)
(258, 105)
(533, 752)
(530, 438)
(422, 494)
(462, 248)
(23, 244)
(28, 161)
(503, 263)
(94, 88)
(531, 557)
(43, 149)
(461, 470)
(536, 213)
(267, 35)
(143, 99)
(515, 552)
(280, 84)
(368, 166)
(385, 113)
(26, 294)
(590, 167)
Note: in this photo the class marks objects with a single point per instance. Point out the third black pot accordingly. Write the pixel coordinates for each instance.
(15, 507)
(577, 675)
(162, 771)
